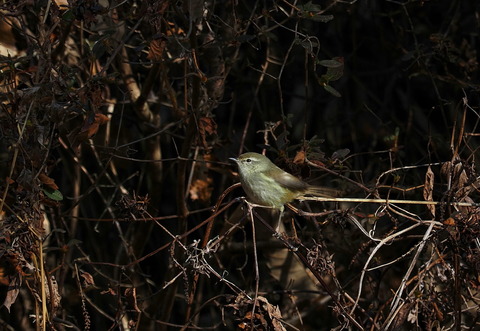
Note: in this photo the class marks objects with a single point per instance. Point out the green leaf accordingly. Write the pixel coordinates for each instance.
(72, 242)
(53, 194)
(310, 7)
(245, 38)
(312, 12)
(340, 154)
(309, 43)
(320, 18)
(333, 74)
(334, 70)
(282, 140)
(68, 16)
(332, 91)
(331, 63)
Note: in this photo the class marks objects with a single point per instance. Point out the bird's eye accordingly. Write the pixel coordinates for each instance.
(248, 160)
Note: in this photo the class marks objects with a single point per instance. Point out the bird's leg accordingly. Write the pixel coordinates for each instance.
(280, 216)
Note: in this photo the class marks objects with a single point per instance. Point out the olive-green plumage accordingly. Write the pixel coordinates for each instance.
(268, 185)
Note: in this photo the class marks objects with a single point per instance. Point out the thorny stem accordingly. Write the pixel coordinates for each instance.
(255, 257)
(317, 275)
(398, 294)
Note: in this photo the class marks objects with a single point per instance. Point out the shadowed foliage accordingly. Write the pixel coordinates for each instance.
(117, 120)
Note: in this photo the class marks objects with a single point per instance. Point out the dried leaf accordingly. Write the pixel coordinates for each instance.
(62, 4)
(91, 125)
(131, 295)
(299, 157)
(460, 175)
(449, 221)
(89, 129)
(48, 181)
(455, 174)
(273, 312)
(109, 291)
(7, 38)
(206, 126)
(155, 51)
(172, 29)
(428, 189)
(13, 290)
(96, 99)
(88, 280)
(201, 189)
(265, 317)
(54, 297)
(445, 169)
(412, 317)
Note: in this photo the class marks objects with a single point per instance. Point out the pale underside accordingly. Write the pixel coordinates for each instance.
(265, 189)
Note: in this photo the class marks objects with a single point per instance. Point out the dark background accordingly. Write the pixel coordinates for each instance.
(118, 119)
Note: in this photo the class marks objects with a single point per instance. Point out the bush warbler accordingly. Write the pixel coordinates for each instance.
(268, 185)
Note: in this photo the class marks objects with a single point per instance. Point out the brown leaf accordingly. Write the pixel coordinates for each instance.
(428, 189)
(88, 280)
(265, 317)
(402, 315)
(62, 4)
(455, 173)
(13, 290)
(273, 313)
(449, 221)
(91, 125)
(89, 129)
(299, 157)
(97, 98)
(172, 29)
(206, 126)
(131, 295)
(7, 38)
(54, 297)
(155, 51)
(201, 189)
(48, 181)
(109, 291)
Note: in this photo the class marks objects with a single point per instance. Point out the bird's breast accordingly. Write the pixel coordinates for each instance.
(263, 190)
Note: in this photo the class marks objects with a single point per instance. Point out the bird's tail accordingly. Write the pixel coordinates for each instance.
(323, 192)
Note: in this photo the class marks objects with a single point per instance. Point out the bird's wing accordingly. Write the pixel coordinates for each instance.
(291, 182)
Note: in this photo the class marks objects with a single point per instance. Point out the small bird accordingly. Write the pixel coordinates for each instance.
(268, 185)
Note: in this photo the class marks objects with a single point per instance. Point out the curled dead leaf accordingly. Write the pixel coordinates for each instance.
(88, 280)
(48, 181)
(155, 51)
(206, 127)
(201, 189)
(131, 296)
(13, 290)
(428, 189)
(299, 157)
(89, 129)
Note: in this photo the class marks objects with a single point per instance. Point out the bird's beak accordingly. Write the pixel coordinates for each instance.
(233, 159)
